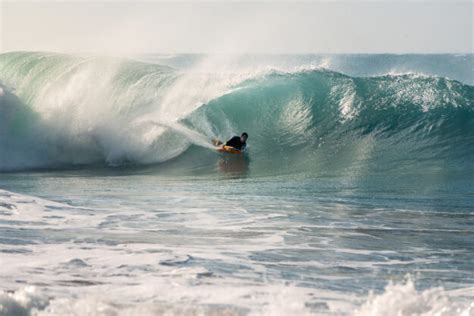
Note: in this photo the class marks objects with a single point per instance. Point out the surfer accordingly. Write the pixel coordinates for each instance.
(236, 142)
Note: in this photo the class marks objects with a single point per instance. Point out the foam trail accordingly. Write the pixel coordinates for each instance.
(191, 135)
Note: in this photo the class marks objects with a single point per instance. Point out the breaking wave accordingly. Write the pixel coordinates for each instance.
(61, 111)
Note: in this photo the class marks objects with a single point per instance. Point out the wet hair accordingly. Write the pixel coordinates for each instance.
(244, 134)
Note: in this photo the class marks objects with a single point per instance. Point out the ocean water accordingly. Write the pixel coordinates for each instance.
(355, 196)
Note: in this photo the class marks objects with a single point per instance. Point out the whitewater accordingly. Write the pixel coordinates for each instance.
(355, 196)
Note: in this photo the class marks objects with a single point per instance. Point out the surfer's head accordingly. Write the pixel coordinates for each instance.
(243, 137)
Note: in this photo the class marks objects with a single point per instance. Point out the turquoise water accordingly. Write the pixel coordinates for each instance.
(114, 201)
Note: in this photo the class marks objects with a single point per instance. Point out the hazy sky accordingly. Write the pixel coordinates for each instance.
(240, 26)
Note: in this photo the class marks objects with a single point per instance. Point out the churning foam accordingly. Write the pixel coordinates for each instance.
(403, 299)
(397, 299)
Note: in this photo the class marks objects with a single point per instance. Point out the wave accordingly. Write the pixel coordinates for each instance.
(60, 111)
(321, 120)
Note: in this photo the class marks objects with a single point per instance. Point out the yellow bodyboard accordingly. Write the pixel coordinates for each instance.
(229, 149)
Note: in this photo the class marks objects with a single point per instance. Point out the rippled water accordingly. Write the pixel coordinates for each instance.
(235, 244)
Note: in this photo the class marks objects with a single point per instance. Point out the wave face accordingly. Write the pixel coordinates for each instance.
(60, 111)
(322, 120)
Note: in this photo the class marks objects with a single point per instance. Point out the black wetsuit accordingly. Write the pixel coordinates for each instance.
(236, 143)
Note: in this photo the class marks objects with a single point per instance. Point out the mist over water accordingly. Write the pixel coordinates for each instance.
(355, 195)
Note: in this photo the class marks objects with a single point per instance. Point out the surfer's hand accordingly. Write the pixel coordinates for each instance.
(216, 142)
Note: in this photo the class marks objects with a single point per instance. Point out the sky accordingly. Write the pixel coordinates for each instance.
(127, 27)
